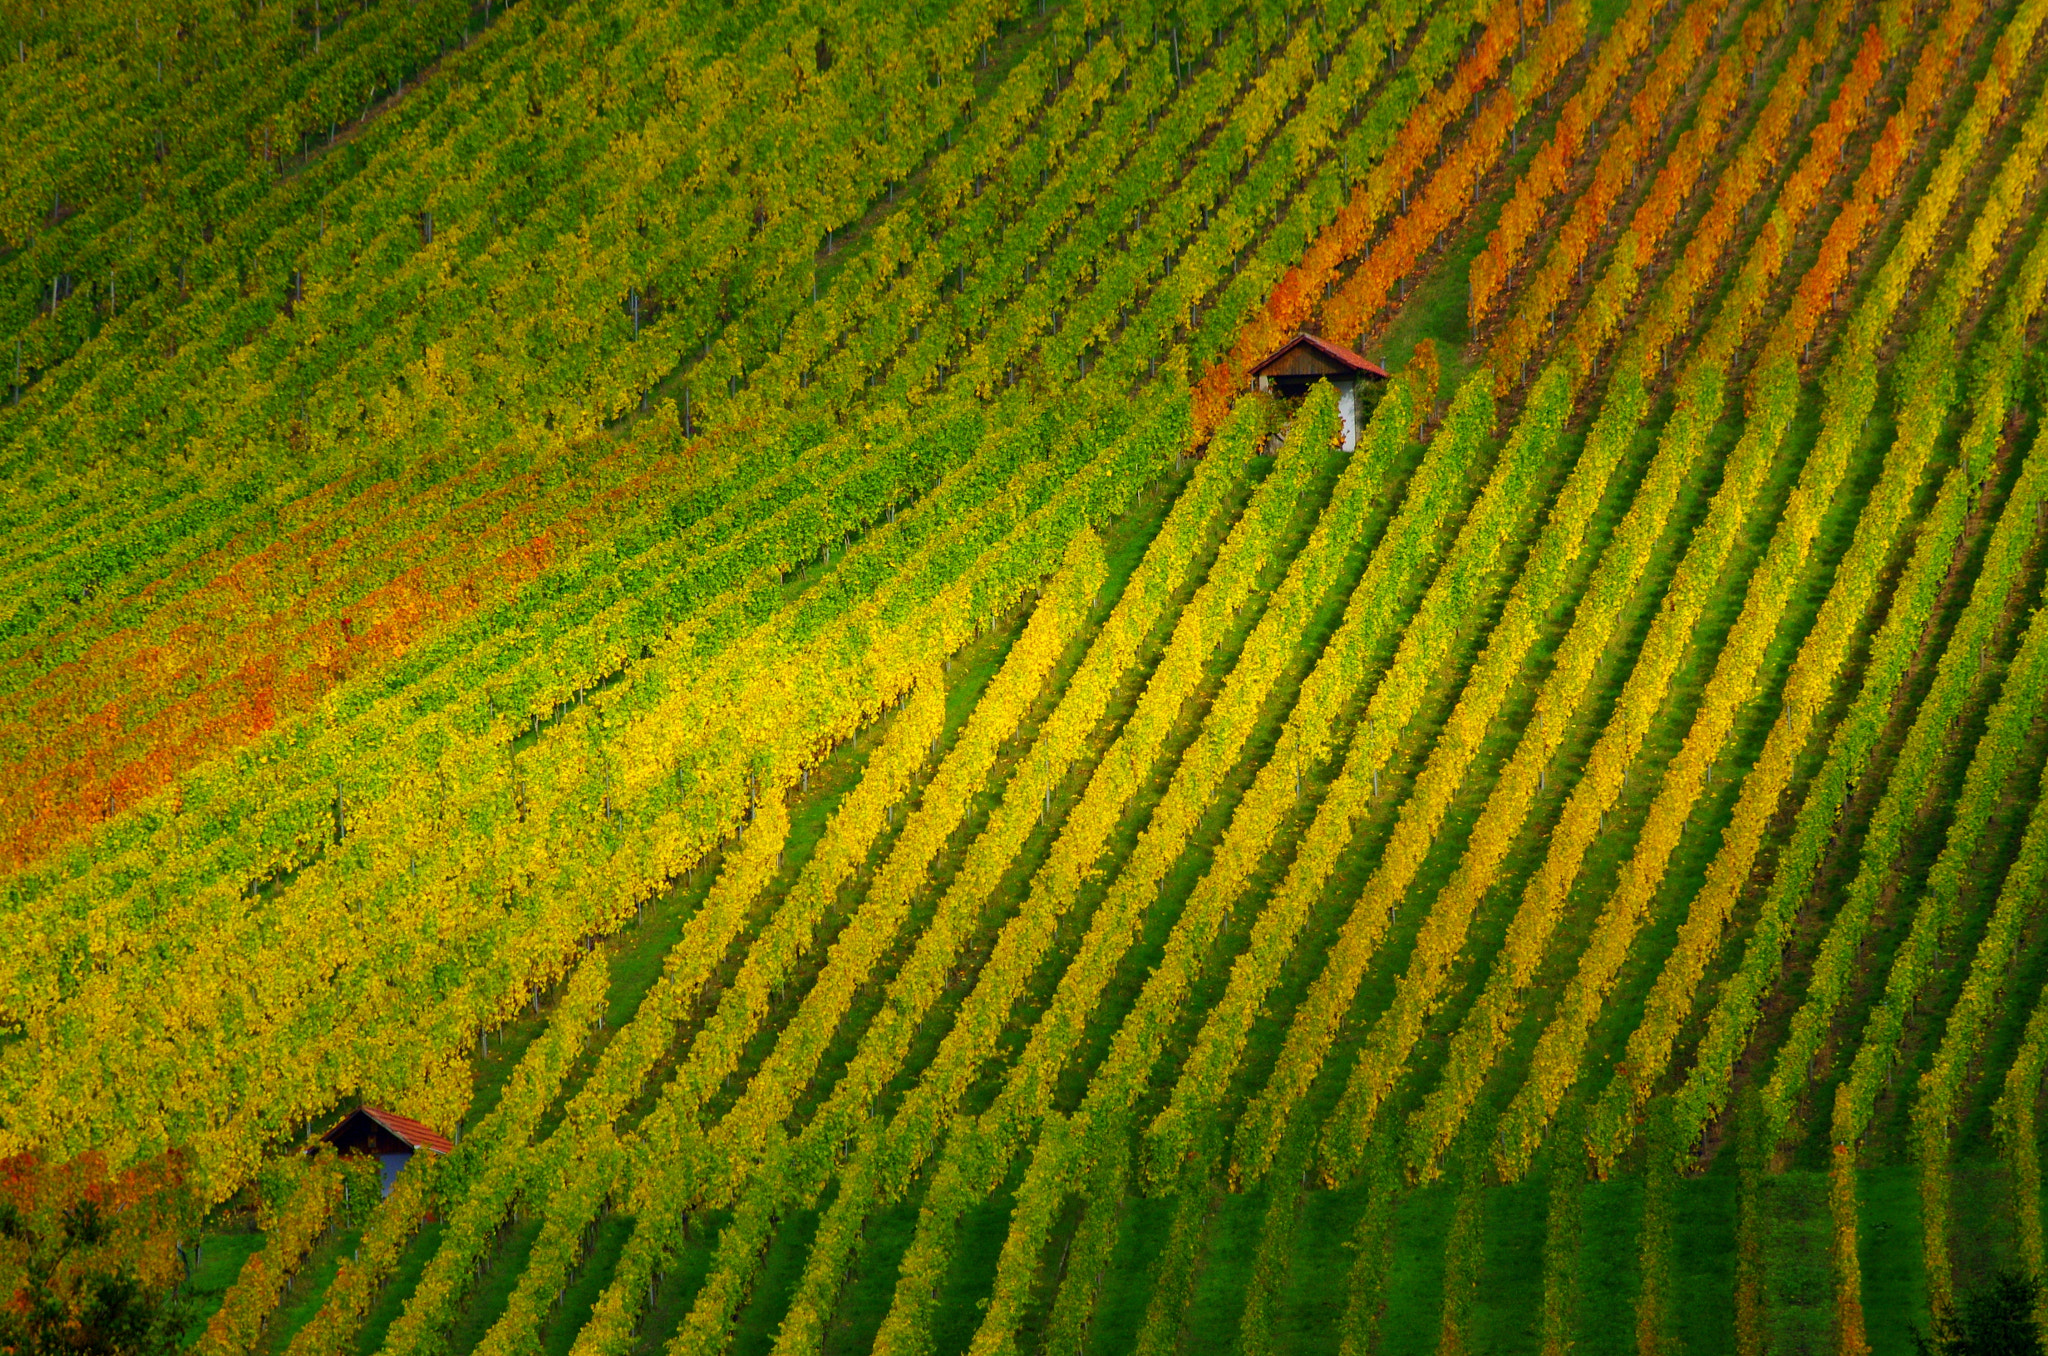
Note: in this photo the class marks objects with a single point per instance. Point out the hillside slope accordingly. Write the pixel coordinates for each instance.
(735, 546)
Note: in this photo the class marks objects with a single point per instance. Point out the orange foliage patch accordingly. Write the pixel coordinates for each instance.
(255, 667)
(1294, 299)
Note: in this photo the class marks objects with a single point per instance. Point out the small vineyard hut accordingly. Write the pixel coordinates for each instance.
(394, 1139)
(1304, 360)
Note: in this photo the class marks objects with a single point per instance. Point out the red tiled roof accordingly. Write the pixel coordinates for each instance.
(406, 1128)
(1334, 352)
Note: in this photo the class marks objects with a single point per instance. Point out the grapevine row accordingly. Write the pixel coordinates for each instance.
(1622, 160)
(1496, 521)
(977, 1155)
(1941, 1084)
(1851, 395)
(1314, 1025)
(1202, 626)
(1811, 683)
(291, 1229)
(1545, 177)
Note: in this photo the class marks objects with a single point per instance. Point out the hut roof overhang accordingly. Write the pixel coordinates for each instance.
(407, 1130)
(1307, 355)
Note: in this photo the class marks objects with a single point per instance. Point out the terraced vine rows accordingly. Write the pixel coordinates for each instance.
(735, 543)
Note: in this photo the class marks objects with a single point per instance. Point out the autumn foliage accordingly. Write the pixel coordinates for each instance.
(88, 1256)
(1298, 295)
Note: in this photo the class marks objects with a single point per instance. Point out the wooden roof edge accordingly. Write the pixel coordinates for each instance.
(414, 1133)
(1333, 351)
